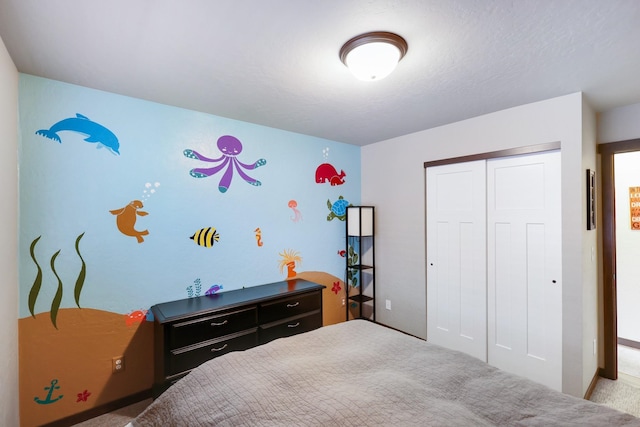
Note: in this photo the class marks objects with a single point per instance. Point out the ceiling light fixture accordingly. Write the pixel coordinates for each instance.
(373, 56)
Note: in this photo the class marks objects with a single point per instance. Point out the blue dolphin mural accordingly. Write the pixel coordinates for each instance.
(96, 133)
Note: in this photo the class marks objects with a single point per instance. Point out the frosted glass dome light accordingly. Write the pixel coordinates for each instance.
(373, 56)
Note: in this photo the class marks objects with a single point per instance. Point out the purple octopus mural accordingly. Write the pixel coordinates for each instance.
(230, 147)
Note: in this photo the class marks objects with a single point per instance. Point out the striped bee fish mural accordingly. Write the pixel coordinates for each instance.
(206, 237)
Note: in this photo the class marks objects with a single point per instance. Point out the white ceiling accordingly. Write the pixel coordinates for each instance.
(275, 62)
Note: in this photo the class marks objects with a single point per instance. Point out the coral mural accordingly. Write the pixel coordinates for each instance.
(197, 284)
(289, 258)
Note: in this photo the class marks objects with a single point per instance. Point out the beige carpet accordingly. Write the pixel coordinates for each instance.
(629, 360)
(118, 418)
(623, 394)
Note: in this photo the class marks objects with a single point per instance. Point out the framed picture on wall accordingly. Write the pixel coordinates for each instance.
(591, 199)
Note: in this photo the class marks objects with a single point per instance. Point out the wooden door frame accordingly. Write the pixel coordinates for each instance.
(609, 299)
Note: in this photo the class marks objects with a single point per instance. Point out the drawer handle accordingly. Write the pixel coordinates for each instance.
(219, 324)
(219, 349)
(294, 326)
(293, 305)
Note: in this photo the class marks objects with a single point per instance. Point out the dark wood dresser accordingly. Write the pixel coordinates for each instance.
(191, 331)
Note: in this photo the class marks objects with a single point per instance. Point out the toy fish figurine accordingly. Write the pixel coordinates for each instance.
(96, 133)
(213, 289)
(206, 237)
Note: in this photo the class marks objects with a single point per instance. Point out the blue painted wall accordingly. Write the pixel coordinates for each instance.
(68, 188)
(86, 282)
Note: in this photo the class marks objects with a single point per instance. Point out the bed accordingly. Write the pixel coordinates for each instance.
(359, 373)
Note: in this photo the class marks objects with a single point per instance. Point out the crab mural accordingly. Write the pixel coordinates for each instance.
(338, 209)
(230, 147)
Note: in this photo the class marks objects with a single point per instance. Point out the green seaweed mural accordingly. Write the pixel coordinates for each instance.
(55, 304)
(35, 289)
(83, 272)
(57, 299)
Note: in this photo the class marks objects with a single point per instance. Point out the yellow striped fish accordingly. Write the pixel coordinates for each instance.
(206, 237)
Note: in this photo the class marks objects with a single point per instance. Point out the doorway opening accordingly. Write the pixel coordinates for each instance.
(619, 239)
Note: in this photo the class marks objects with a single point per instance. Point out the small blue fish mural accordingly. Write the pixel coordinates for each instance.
(206, 237)
(213, 289)
(96, 133)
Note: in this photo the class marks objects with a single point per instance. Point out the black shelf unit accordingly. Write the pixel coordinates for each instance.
(360, 262)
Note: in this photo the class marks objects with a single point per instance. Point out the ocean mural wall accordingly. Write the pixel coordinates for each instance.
(126, 203)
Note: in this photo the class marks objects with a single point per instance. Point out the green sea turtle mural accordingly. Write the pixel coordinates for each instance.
(338, 209)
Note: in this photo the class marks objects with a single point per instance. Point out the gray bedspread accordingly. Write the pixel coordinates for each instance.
(362, 374)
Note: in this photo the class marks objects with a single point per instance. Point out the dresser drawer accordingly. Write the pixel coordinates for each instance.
(187, 358)
(288, 307)
(210, 327)
(291, 326)
(190, 331)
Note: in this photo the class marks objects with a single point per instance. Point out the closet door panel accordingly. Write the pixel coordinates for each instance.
(524, 303)
(456, 257)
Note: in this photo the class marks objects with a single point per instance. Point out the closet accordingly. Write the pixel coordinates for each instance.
(494, 262)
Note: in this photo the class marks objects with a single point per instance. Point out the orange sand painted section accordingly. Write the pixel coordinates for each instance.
(332, 309)
(79, 356)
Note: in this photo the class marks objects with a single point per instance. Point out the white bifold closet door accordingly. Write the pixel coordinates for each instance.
(517, 295)
(524, 304)
(456, 257)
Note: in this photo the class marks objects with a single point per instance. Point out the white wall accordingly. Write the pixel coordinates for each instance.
(393, 181)
(8, 240)
(627, 248)
(590, 254)
(619, 124)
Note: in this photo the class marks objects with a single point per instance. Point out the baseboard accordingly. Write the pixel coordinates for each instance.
(101, 410)
(592, 385)
(628, 343)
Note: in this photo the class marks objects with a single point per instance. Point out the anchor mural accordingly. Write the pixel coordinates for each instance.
(48, 399)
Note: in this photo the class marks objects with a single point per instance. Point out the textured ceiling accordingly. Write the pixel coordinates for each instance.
(275, 62)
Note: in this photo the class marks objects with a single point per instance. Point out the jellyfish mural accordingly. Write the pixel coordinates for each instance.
(297, 216)
(230, 147)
